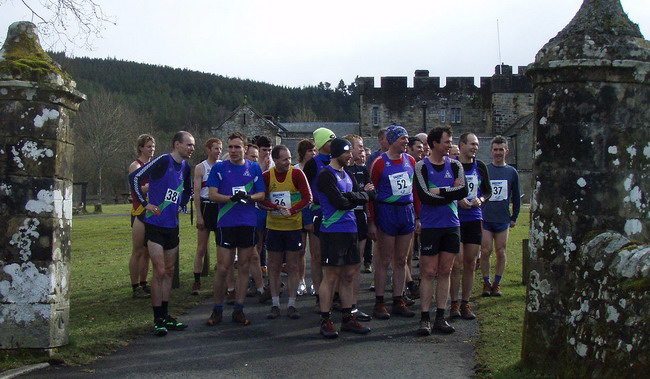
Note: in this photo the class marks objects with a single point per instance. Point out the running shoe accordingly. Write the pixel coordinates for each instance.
(312, 290)
(159, 328)
(407, 300)
(302, 288)
(401, 309)
(264, 296)
(215, 317)
(196, 288)
(146, 287)
(441, 325)
(496, 289)
(360, 315)
(172, 324)
(425, 328)
(327, 328)
(239, 317)
(372, 286)
(367, 268)
(487, 289)
(454, 312)
(466, 312)
(293, 313)
(352, 325)
(138, 293)
(274, 313)
(380, 311)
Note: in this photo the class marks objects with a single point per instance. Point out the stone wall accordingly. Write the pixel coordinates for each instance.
(247, 120)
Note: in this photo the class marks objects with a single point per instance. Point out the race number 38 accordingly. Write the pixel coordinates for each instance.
(171, 195)
(499, 190)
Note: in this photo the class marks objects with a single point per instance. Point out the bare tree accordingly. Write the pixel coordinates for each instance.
(105, 130)
(303, 114)
(62, 23)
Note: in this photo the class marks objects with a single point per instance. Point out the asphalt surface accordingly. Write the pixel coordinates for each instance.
(284, 348)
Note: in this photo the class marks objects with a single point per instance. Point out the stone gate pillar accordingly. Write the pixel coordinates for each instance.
(36, 155)
(589, 290)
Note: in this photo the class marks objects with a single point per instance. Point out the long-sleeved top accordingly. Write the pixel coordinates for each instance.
(505, 190)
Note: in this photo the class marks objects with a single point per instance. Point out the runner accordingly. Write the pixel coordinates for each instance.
(392, 220)
(340, 252)
(471, 216)
(206, 210)
(170, 188)
(322, 138)
(139, 262)
(497, 219)
(287, 194)
(306, 151)
(236, 184)
(426, 149)
(440, 182)
(359, 172)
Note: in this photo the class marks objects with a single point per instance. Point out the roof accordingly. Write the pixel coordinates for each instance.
(245, 105)
(339, 128)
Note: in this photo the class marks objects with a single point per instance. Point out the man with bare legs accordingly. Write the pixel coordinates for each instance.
(440, 182)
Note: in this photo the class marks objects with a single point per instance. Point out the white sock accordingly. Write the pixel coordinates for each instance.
(292, 302)
(260, 290)
(276, 301)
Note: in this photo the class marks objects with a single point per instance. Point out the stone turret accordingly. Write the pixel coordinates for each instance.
(589, 291)
(37, 98)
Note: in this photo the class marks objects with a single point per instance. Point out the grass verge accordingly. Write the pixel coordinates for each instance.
(498, 350)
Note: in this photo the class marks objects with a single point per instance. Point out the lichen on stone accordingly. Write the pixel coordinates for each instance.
(23, 58)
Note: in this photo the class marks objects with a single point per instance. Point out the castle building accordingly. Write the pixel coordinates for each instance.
(502, 105)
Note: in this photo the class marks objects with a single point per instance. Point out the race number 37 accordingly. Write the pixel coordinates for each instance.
(499, 190)
(171, 195)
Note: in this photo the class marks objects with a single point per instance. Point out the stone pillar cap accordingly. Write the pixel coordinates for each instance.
(600, 31)
(23, 58)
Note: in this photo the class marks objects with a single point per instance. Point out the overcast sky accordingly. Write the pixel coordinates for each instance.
(302, 42)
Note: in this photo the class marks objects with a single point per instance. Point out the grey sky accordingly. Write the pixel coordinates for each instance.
(298, 42)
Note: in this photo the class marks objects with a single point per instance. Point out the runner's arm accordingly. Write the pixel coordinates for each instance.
(199, 171)
(300, 182)
(486, 186)
(516, 196)
(327, 186)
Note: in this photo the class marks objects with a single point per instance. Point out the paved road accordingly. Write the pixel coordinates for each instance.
(285, 348)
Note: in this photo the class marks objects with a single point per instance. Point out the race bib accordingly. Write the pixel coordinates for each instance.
(238, 189)
(400, 184)
(172, 196)
(472, 186)
(499, 190)
(280, 198)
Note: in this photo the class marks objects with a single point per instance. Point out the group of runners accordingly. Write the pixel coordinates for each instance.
(411, 198)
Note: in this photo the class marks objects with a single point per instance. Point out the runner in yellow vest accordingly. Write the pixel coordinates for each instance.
(287, 193)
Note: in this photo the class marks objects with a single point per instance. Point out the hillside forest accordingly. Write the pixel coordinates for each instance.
(126, 99)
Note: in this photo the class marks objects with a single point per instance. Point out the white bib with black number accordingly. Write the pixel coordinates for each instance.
(499, 190)
(280, 198)
(400, 183)
(238, 189)
(172, 196)
(472, 186)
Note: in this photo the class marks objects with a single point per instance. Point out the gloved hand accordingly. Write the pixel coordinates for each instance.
(241, 197)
